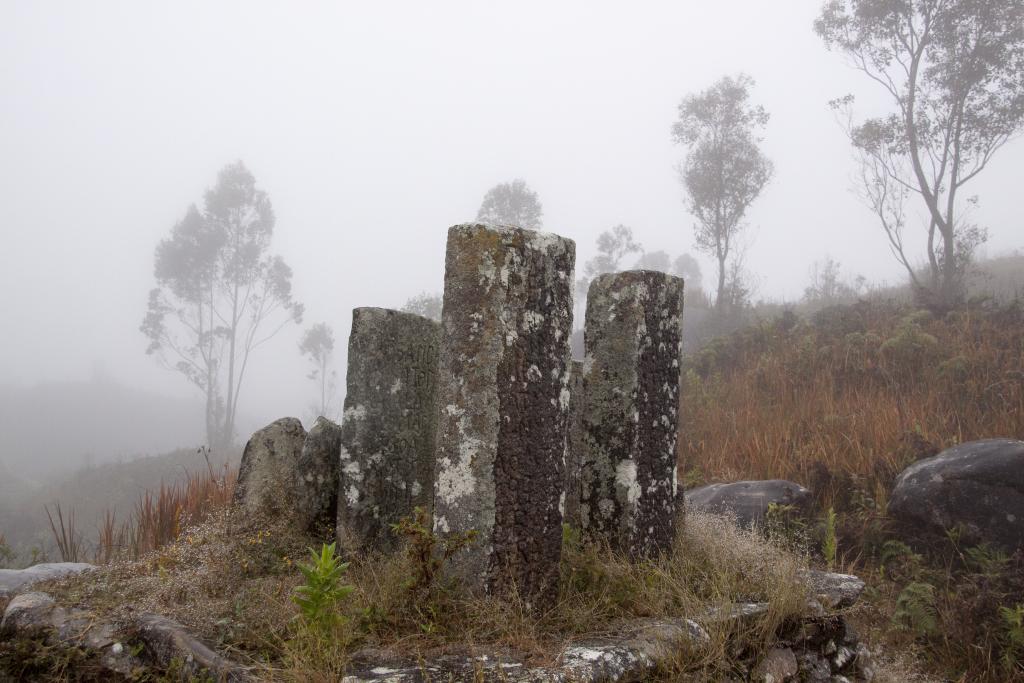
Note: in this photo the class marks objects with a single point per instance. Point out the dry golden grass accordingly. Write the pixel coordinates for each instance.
(844, 403)
(230, 581)
(859, 394)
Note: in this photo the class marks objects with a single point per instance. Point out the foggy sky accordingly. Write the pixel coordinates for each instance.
(374, 127)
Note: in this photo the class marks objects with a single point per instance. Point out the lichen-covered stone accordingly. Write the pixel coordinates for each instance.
(503, 396)
(12, 581)
(268, 472)
(387, 429)
(317, 478)
(574, 447)
(629, 410)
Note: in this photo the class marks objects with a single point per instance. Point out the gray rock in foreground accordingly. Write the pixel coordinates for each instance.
(977, 485)
(14, 580)
(387, 430)
(748, 501)
(503, 394)
(317, 479)
(268, 472)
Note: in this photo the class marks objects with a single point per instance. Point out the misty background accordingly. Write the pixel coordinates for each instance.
(373, 128)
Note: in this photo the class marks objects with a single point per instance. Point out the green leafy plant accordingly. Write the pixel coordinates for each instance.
(1013, 636)
(898, 559)
(915, 609)
(986, 559)
(785, 523)
(427, 551)
(829, 544)
(318, 598)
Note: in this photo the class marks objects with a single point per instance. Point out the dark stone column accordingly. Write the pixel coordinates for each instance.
(317, 478)
(387, 429)
(503, 397)
(574, 447)
(630, 399)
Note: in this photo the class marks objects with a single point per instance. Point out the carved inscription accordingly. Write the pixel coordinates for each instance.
(388, 424)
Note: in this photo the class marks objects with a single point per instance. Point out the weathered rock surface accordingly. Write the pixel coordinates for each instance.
(503, 394)
(36, 615)
(317, 478)
(629, 408)
(167, 641)
(748, 501)
(832, 590)
(574, 447)
(14, 580)
(111, 646)
(388, 427)
(268, 472)
(777, 666)
(978, 485)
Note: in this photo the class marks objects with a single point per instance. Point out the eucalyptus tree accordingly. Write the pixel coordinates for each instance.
(725, 169)
(952, 72)
(220, 295)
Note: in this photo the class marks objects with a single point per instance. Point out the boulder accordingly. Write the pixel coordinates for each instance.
(268, 473)
(777, 666)
(977, 486)
(14, 580)
(747, 500)
(832, 590)
(317, 479)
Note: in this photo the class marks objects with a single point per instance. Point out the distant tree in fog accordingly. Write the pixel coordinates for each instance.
(511, 203)
(654, 260)
(953, 74)
(725, 170)
(687, 267)
(220, 294)
(827, 287)
(612, 246)
(317, 345)
(427, 305)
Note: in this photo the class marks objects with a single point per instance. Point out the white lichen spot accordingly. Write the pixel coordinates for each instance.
(563, 399)
(441, 525)
(396, 387)
(416, 489)
(532, 320)
(675, 481)
(561, 504)
(352, 471)
(625, 477)
(533, 373)
(354, 413)
(352, 495)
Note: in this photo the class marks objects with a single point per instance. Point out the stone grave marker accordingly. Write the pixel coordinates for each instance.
(503, 399)
(387, 429)
(628, 405)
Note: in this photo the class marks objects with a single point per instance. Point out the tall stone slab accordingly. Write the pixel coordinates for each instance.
(388, 426)
(629, 410)
(574, 447)
(503, 401)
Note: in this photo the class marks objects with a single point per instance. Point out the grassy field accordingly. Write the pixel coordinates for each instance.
(841, 403)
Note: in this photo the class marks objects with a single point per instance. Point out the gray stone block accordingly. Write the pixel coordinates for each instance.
(387, 429)
(629, 410)
(503, 396)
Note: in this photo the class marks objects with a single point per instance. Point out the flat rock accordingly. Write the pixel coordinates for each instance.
(14, 580)
(977, 486)
(748, 501)
(777, 666)
(832, 590)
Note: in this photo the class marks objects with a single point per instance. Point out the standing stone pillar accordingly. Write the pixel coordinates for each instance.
(574, 447)
(503, 397)
(387, 429)
(629, 410)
